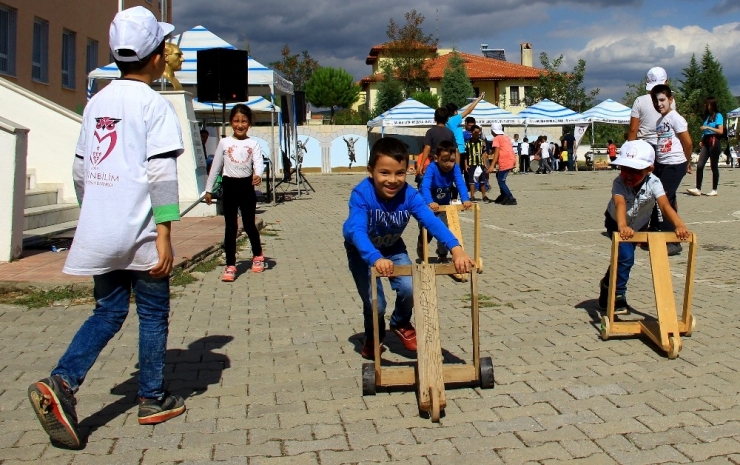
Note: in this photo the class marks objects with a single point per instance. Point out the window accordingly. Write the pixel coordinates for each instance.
(7, 40)
(68, 59)
(91, 61)
(527, 91)
(40, 59)
(514, 95)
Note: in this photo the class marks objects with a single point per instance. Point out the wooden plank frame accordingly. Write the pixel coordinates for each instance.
(453, 223)
(407, 376)
(666, 332)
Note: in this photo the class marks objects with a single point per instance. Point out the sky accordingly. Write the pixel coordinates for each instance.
(619, 39)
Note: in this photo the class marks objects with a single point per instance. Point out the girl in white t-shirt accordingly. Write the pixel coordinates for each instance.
(672, 156)
(239, 157)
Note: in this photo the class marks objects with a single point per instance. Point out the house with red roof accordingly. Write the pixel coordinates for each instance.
(505, 83)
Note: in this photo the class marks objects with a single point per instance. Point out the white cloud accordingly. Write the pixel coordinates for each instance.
(620, 57)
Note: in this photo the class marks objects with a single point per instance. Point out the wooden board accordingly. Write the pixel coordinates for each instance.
(663, 286)
(429, 348)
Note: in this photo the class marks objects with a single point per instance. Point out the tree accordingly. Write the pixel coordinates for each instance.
(427, 98)
(390, 90)
(408, 50)
(332, 87)
(562, 87)
(700, 82)
(296, 68)
(456, 86)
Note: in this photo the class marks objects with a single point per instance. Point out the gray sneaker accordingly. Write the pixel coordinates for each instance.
(54, 404)
(154, 411)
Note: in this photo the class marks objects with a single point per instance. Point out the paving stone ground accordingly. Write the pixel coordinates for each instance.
(271, 368)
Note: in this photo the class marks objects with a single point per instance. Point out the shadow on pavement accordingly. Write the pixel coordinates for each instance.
(188, 372)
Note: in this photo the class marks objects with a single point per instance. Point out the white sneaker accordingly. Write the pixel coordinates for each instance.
(694, 191)
(712, 193)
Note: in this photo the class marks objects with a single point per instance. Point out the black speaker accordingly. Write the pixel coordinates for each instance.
(300, 107)
(284, 110)
(222, 75)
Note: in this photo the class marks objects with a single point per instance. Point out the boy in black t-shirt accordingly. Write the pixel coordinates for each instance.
(476, 164)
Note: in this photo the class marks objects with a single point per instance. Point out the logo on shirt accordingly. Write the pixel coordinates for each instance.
(106, 137)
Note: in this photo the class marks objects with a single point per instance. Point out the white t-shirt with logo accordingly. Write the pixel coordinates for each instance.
(670, 150)
(128, 142)
(239, 158)
(545, 150)
(644, 110)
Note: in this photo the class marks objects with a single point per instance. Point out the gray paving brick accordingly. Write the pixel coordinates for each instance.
(550, 450)
(704, 451)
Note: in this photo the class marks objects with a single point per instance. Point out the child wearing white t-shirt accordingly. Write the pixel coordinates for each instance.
(672, 155)
(240, 159)
(125, 174)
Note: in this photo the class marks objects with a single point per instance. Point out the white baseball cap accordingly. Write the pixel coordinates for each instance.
(497, 128)
(136, 29)
(636, 154)
(655, 76)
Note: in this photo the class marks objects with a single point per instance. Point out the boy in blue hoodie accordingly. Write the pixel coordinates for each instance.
(380, 208)
(436, 187)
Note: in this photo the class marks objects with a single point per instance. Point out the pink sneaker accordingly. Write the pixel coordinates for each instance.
(258, 264)
(229, 274)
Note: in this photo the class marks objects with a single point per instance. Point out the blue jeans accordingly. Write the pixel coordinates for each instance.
(502, 187)
(402, 285)
(625, 257)
(112, 293)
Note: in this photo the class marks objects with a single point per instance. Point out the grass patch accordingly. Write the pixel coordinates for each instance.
(207, 265)
(181, 277)
(39, 298)
(483, 300)
(269, 233)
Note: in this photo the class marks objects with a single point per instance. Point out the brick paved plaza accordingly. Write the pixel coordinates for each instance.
(270, 364)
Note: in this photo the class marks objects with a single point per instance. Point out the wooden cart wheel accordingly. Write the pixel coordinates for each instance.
(692, 326)
(434, 395)
(368, 379)
(605, 328)
(673, 348)
(486, 373)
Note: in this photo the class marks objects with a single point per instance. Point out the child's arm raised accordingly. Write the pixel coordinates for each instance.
(620, 207)
(672, 216)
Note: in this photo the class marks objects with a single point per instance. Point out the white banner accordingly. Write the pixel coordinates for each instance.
(578, 133)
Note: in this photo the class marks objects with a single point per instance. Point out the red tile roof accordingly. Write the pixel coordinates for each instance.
(479, 68)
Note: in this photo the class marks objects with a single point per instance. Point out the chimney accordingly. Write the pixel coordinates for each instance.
(527, 54)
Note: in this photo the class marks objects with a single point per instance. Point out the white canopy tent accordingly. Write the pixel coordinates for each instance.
(488, 113)
(610, 112)
(262, 81)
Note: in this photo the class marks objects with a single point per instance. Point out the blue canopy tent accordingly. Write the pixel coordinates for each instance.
(408, 113)
(262, 81)
(547, 112)
(488, 113)
(609, 112)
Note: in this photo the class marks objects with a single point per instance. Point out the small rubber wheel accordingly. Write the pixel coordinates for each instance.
(486, 373)
(673, 348)
(368, 379)
(605, 328)
(692, 326)
(434, 396)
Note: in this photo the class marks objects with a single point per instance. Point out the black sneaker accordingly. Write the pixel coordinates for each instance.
(603, 295)
(54, 404)
(674, 248)
(500, 199)
(620, 301)
(154, 411)
(509, 201)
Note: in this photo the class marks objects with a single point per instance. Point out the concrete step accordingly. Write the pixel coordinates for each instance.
(40, 235)
(41, 197)
(39, 217)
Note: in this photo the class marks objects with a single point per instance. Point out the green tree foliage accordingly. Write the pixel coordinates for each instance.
(427, 98)
(456, 86)
(408, 49)
(332, 87)
(390, 90)
(565, 88)
(296, 68)
(349, 116)
(699, 82)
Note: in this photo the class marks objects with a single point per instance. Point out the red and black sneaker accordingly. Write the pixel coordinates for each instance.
(368, 349)
(155, 411)
(54, 404)
(407, 335)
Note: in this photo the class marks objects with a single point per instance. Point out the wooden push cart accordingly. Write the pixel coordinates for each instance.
(429, 375)
(667, 330)
(453, 223)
